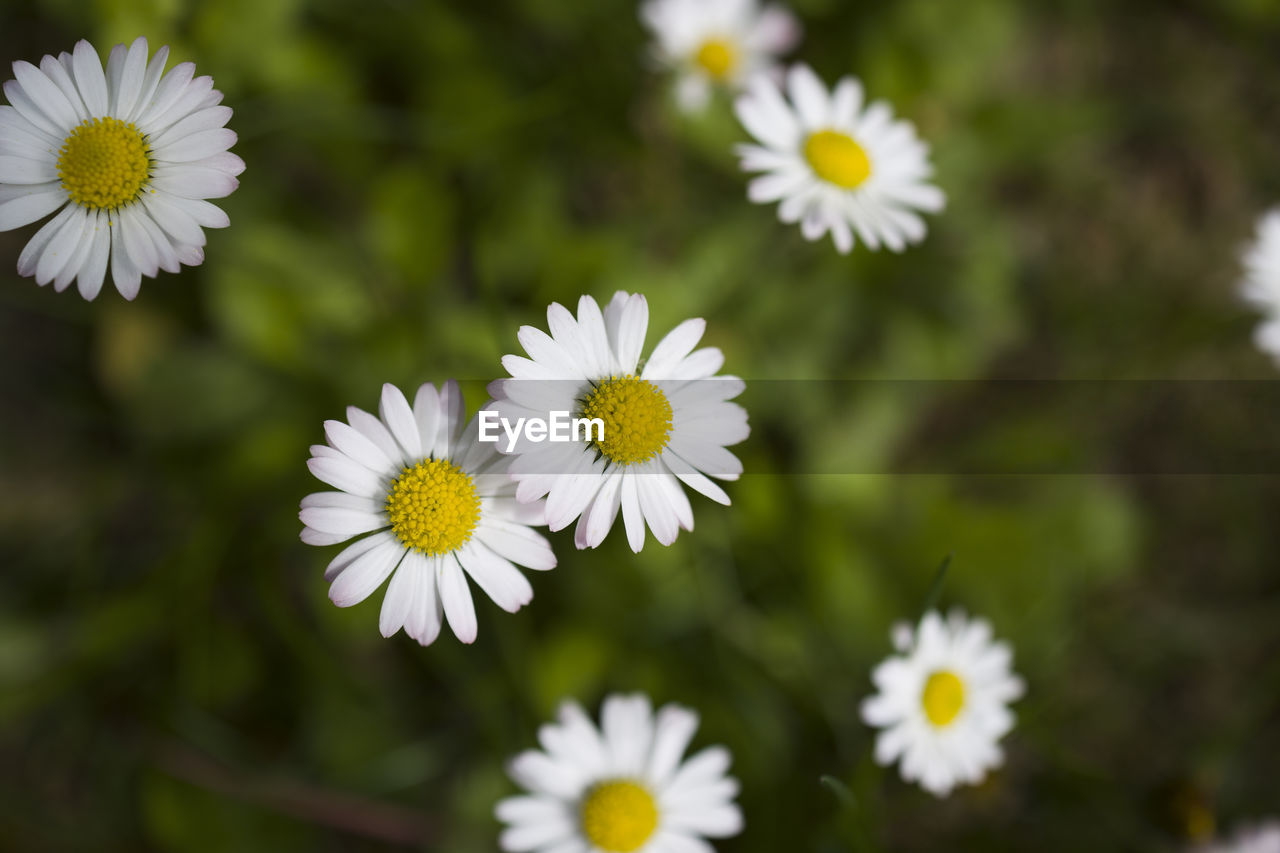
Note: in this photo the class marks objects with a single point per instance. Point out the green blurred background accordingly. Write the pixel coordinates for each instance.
(424, 178)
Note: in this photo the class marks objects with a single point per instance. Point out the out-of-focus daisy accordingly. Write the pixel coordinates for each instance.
(439, 506)
(1261, 285)
(664, 423)
(127, 157)
(1259, 838)
(712, 43)
(835, 164)
(943, 702)
(622, 788)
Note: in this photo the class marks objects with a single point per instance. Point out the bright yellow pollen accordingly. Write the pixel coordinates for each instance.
(717, 57)
(943, 697)
(104, 163)
(433, 507)
(636, 415)
(837, 158)
(618, 816)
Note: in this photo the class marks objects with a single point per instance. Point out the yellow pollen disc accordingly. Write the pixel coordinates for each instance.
(636, 415)
(717, 57)
(837, 158)
(943, 697)
(618, 816)
(433, 507)
(104, 163)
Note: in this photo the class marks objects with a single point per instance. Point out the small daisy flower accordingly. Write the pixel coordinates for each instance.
(833, 165)
(1261, 285)
(664, 423)
(712, 43)
(126, 157)
(622, 788)
(943, 702)
(438, 506)
(1260, 838)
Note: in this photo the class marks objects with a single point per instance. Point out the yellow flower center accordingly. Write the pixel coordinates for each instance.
(717, 57)
(104, 163)
(943, 697)
(636, 416)
(433, 507)
(837, 158)
(619, 816)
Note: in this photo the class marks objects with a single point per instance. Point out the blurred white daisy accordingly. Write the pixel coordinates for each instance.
(127, 157)
(439, 506)
(622, 788)
(943, 702)
(1261, 285)
(1259, 838)
(834, 165)
(712, 43)
(664, 423)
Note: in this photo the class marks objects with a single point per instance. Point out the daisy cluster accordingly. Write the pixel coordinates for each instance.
(833, 161)
(124, 157)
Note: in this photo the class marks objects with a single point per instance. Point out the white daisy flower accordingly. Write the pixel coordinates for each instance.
(943, 702)
(835, 166)
(621, 789)
(663, 424)
(1260, 838)
(127, 157)
(439, 506)
(1261, 285)
(717, 42)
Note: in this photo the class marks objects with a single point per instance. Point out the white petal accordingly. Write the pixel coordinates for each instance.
(517, 543)
(189, 181)
(196, 122)
(673, 729)
(632, 516)
(60, 249)
(395, 412)
(499, 579)
(125, 96)
(90, 81)
(28, 208)
(206, 143)
(46, 95)
(31, 253)
(94, 270)
(357, 446)
(426, 411)
(456, 596)
(366, 573)
(58, 75)
(23, 170)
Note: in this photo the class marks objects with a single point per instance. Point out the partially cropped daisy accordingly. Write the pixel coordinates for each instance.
(433, 506)
(622, 788)
(943, 702)
(711, 43)
(1260, 838)
(836, 164)
(126, 157)
(662, 422)
(1261, 285)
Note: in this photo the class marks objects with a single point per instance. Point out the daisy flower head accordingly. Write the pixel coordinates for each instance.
(835, 163)
(433, 507)
(1261, 285)
(711, 43)
(943, 702)
(126, 158)
(622, 788)
(662, 422)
